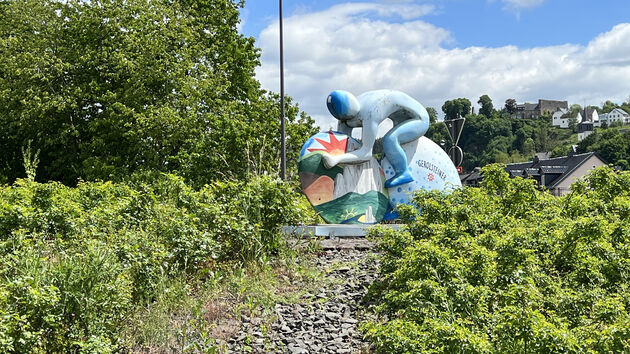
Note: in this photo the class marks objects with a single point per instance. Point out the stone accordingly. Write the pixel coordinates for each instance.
(286, 329)
(315, 326)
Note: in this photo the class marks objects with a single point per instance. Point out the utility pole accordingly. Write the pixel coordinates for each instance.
(283, 152)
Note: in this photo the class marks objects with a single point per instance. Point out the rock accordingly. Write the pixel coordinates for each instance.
(286, 329)
(297, 350)
(323, 321)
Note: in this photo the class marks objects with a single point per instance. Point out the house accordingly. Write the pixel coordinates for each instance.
(562, 117)
(616, 115)
(557, 174)
(533, 110)
(591, 115)
(472, 179)
(585, 128)
(589, 121)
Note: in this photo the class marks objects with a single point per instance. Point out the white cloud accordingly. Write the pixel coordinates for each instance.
(516, 6)
(522, 4)
(354, 47)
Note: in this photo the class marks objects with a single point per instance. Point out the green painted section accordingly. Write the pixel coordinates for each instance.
(348, 208)
(313, 163)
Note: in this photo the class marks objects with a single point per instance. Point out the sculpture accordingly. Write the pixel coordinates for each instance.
(342, 179)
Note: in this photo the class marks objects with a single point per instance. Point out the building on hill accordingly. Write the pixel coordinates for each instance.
(557, 174)
(591, 115)
(585, 128)
(562, 117)
(533, 110)
(616, 115)
(472, 179)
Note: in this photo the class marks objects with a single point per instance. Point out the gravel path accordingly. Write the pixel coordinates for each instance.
(326, 320)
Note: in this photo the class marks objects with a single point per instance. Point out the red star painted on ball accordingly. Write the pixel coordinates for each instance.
(334, 147)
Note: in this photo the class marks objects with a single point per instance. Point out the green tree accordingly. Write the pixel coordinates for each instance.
(438, 133)
(506, 268)
(612, 145)
(510, 106)
(107, 88)
(573, 124)
(574, 109)
(456, 107)
(608, 106)
(487, 109)
(529, 147)
(432, 114)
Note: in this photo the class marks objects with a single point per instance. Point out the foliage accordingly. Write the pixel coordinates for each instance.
(30, 160)
(487, 109)
(504, 138)
(612, 144)
(608, 106)
(456, 107)
(432, 114)
(499, 137)
(574, 109)
(76, 261)
(438, 133)
(107, 88)
(508, 268)
(510, 106)
(573, 124)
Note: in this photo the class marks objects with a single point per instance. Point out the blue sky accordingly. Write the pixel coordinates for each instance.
(483, 22)
(435, 50)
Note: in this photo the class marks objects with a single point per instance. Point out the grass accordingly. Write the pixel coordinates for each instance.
(200, 315)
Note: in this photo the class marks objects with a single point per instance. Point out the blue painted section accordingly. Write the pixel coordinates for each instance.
(400, 134)
(342, 104)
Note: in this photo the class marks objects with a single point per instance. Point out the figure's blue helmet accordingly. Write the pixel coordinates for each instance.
(342, 105)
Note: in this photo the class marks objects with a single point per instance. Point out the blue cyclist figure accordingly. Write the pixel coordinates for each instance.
(411, 121)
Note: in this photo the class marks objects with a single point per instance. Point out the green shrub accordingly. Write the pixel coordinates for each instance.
(507, 268)
(76, 261)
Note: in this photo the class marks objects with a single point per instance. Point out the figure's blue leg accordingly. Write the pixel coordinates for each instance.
(403, 133)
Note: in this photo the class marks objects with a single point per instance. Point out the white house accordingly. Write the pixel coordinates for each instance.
(591, 115)
(561, 118)
(616, 115)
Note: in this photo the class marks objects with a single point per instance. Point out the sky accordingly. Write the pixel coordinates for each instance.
(435, 50)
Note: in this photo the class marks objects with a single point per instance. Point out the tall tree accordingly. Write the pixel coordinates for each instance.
(105, 88)
(456, 107)
(510, 106)
(574, 109)
(573, 124)
(432, 114)
(608, 106)
(487, 109)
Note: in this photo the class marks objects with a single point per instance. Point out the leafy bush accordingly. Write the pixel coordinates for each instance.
(75, 261)
(120, 86)
(508, 268)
